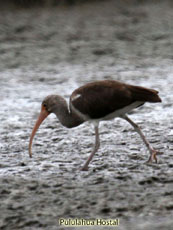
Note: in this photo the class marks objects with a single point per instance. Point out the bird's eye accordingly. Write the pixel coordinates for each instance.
(44, 105)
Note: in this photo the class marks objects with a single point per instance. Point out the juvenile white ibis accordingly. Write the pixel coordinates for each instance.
(95, 102)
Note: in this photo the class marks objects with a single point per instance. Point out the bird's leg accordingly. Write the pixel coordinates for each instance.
(152, 151)
(96, 147)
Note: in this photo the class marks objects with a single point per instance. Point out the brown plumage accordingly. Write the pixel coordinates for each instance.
(96, 101)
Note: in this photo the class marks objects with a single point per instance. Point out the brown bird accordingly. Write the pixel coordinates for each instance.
(95, 102)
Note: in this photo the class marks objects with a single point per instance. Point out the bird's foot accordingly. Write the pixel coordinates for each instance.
(84, 168)
(153, 156)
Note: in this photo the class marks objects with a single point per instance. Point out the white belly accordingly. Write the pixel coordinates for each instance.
(117, 113)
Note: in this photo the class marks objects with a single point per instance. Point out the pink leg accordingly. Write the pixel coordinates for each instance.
(96, 147)
(152, 151)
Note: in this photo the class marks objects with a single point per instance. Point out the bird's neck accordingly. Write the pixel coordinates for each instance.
(67, 118)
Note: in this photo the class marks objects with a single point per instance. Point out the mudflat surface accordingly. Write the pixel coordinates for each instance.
(53, 51)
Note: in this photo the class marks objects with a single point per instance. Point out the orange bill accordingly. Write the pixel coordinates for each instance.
(41, 118)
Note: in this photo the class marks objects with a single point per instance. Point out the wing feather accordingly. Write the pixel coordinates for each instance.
(101, 98)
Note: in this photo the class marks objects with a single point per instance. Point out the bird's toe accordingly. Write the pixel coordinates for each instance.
(153, 156)
(84, 168)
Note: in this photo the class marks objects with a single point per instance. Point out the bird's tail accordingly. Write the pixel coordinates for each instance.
(144, 94)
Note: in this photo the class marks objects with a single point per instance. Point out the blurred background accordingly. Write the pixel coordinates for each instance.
(79, 31)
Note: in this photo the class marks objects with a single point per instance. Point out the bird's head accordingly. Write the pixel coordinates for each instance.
(51, 102)
(48, 106)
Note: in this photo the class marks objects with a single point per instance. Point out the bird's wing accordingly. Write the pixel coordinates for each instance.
(99, 99)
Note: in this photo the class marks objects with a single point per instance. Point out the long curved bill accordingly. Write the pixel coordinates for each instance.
(41, 118)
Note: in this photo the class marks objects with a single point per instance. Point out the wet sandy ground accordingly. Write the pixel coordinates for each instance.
(47, 51)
